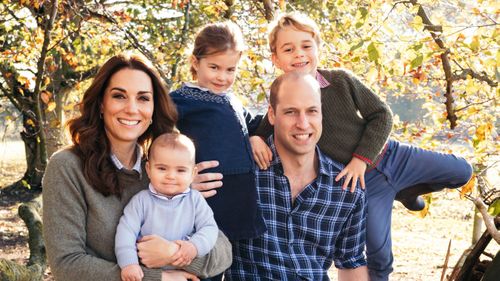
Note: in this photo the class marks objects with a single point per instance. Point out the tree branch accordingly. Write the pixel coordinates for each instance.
(130, 37)
(488, 220)
(268, 9)
(462, 75)
(436, 31)
(185, 29)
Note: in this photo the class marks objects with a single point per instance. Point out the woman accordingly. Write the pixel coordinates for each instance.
(87, 185)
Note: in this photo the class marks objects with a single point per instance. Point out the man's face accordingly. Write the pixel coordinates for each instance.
(297, 117)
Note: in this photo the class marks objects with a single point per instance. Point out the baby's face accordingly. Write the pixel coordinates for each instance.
(171, 171)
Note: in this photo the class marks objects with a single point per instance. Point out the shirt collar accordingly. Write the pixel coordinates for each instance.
(192, 85)
(323, 83)
(167, 198)
(276, 162)
(137, 166)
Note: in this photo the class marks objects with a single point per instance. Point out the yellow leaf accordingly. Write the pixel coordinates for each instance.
(282, 5)
(30, 123)
(423, 213)
(51, 106)
(468, 187)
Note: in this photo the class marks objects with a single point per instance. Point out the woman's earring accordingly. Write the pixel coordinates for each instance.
(150, 121)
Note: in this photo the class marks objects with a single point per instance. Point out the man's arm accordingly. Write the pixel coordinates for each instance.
(353, 274)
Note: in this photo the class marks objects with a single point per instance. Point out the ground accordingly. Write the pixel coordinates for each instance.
(419, 244)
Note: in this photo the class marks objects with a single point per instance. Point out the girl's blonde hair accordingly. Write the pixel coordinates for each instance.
(216, 38)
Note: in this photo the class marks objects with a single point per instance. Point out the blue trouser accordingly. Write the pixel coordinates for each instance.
(402, 166)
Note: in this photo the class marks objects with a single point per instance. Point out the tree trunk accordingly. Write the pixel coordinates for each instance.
(33, 271)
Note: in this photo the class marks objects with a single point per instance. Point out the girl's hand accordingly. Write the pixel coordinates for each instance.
(205, 183)
(262, 154)
(353, 171)
(155, 251)
(187, 252)
(177, 275)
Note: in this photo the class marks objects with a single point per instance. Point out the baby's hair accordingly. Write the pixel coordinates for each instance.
(294, 76)
(297, 21)
(217, 38)
(172, 141)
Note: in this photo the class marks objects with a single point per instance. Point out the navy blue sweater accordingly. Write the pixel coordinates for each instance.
(219, 125)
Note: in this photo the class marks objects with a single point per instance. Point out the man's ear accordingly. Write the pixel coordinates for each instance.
(271, 115)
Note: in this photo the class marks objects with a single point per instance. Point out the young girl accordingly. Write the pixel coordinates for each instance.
(356, 128)
(219, 125)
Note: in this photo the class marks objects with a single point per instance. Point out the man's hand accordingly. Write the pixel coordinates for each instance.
(132, 272)
(353, 171)
(205, 183)
(262, 154)
(155, 251)
(185, 255)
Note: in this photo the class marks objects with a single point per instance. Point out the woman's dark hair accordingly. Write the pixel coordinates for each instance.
(89, 138)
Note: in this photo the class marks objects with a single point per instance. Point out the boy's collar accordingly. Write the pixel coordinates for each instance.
(323, 83)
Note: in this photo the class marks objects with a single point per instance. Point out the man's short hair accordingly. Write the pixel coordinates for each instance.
(276, 85)
(297, 21)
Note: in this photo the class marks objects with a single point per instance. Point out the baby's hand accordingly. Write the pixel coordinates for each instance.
(186, 253)
(261, 152)
(132, 272)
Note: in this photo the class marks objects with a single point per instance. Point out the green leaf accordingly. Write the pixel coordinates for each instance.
(357, 46)
(416, 62)
(494, 208)
(373, 53)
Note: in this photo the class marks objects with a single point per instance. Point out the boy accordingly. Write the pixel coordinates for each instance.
(356, 128)
(169, 208)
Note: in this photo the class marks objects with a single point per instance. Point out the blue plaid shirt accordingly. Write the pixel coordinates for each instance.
(325, 224)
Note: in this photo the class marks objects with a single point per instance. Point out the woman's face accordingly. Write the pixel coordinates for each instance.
(127, 106)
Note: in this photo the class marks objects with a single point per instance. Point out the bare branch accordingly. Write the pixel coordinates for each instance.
(472, 104)
(462, 75)
(268, 9)
(488, 220)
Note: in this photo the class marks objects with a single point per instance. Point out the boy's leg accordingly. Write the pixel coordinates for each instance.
(418, 171)
(380, 197)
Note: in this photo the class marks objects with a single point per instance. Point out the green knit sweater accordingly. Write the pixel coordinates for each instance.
(356, 122)
(79, 225)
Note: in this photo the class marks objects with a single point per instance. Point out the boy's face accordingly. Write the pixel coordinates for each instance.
(217, 72)
(295, 51)
(171, 171)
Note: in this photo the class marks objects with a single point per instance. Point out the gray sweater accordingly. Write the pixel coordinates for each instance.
(80, 224)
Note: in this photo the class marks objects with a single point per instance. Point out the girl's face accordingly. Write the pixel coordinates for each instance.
(127, 106)
(217, 72)
(295, 51)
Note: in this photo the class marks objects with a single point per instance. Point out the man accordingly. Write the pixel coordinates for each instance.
(311, 220)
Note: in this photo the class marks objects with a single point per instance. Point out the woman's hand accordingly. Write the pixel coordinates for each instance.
(205, 183)
(177, 275)
(155, 251)
(262, 154)
(353, 171)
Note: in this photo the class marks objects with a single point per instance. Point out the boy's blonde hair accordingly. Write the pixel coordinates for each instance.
(215, 38)
(297, 21)
(173, 141)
